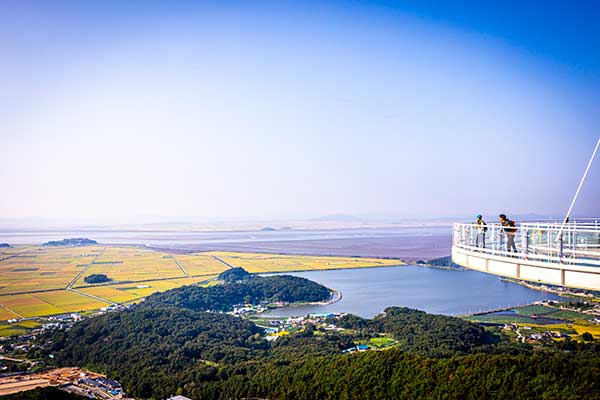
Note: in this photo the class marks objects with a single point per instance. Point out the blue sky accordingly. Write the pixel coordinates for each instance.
(297, 109)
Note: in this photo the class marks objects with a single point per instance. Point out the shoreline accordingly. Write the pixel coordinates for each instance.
(336, 296)
(547, 289)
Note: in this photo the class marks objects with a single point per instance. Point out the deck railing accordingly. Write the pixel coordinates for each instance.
(574, 243)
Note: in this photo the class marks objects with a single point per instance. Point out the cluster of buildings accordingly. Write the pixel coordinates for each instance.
(247, 309)
(281, 327)
(115, 307)
(72, 380)
(358, 347)
(23, 342)
(533, 336)
(96, 387)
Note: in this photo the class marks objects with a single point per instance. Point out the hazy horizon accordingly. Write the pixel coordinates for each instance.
(274, 110)
(200, 224)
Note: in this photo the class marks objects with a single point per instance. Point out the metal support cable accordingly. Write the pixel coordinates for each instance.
(578, 189)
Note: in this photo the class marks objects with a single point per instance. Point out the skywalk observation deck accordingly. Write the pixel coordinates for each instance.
(547, 252)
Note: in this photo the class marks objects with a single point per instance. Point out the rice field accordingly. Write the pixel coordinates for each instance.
(69, 301)
(130, 292)
(593, 329)
(201, 264)
(48, 303)
(258, 263)
(17, 328)
(34, 279)
(42, 268)
(6, 315)
(131, 264)
(26, 305)
(10, 330)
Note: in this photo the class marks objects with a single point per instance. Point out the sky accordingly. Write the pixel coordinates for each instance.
(297, 109)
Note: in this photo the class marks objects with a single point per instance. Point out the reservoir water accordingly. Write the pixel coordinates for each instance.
(366, 292)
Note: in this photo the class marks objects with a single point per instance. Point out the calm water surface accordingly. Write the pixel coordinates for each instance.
(368, 291)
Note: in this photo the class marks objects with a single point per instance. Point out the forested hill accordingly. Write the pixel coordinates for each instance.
(157, 350)
(436, 335)
(234, 275)
(255, 290)
(169, 345)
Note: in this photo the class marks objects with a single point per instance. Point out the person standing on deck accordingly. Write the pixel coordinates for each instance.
(510, 229)
(481, 229)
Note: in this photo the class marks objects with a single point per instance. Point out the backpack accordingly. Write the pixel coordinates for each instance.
(512, 225)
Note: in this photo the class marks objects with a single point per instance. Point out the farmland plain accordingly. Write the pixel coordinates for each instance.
(42, 281)
(264, 263)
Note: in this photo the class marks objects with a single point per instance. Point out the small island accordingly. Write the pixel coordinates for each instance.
(4, 245)
(71, 242)
(96, 278)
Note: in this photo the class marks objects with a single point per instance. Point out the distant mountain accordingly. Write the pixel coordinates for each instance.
(336, 218)
(268, 229)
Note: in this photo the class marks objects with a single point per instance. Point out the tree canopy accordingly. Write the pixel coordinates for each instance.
(96, 278)
(170, 344)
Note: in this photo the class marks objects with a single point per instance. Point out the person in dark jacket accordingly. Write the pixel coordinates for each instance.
(510, 230)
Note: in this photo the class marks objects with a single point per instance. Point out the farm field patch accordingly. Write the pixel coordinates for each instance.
(26, 305)
(130, 264)
(6, 315)
(33, 279)
(128, 292)
(201, 264)
(10, 330)
(109, 292)
(258, 263)
(17, 328)
(48, 303)
(69, 301)
(42, 268)
(593, 329)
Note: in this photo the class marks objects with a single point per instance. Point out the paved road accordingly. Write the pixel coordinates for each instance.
(224, 262)
(85, 269)
(180, 267)
(8, 309)
(91, 296)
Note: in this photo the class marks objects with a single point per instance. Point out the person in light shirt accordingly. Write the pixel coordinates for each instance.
(481, 229)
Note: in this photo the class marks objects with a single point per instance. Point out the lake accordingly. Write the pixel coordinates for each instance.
(367, 291)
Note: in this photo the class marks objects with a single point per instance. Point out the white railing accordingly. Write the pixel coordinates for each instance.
(575, 243)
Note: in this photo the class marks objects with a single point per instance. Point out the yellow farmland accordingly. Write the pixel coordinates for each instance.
(129, 292)
(5, 314)
(256, 262)
(26, 305)
(591, 328)
(69, 301)
(130, 264)
(201, 264)
(42, 268)
(48, 303)
(33, 279)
